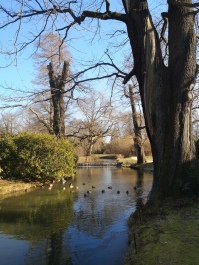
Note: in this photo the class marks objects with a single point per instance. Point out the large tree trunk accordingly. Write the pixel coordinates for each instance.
(165, 91)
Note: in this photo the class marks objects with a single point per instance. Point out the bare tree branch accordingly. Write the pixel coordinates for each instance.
(107, 6)
(128, 76)
(165, 18)
(50, 130)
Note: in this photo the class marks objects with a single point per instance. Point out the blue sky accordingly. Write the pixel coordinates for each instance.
(21, 72)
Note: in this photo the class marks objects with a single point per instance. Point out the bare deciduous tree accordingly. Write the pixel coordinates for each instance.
(56, 75)
(165, 87)
(97, 120)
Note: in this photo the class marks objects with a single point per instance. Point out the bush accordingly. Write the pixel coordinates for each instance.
(36, 156)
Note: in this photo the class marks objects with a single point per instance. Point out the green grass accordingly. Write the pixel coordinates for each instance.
(127, 162)
(9, 187)
(149, 158)
(168, 237)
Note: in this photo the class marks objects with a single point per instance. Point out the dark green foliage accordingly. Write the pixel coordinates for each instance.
(36, 156)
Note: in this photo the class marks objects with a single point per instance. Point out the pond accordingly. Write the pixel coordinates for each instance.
(83, 225)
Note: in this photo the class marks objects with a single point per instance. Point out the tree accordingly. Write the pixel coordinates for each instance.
(166, 95)
(55, 74)
(57, 86)
(97, 120)
(137, 122)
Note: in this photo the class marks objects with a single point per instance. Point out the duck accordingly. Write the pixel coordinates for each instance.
(103, 191)
(127, 192)
(83, 184)
(85, 195)
(71, 186)
(118, 192)
(51, 185)
(93, 187)
(110, 187)
(135, 188)
(64, 188)
(88, 191)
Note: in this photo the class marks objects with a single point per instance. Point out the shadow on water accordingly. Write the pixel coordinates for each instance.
(85, 226)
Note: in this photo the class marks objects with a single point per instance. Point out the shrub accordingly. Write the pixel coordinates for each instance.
(36, 156)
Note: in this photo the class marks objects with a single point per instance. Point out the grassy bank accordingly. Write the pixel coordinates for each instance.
(9, 187)
(131, 162)
(167, 235)
(148, 166)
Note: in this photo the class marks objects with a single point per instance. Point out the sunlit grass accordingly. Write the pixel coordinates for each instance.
(167, 235)
(12, 186)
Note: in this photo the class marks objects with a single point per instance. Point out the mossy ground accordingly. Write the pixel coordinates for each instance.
(167, 235)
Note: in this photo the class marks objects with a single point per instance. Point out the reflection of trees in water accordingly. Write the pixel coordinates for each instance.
(49, 251)
(55, 253)
(140, 190)
(96, 173)
(36, 220)
(89, 217)
(42, 219)
(39, 221)
(98, 212)
(139, 183)
(94, 212)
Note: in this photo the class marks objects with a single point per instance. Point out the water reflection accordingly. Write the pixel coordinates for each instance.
(59, 227)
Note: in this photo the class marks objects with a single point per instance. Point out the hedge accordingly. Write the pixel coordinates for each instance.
(36, 156)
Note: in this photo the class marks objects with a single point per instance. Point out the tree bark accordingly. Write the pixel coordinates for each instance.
(57, 85)
(138, 141)
(165, 94)
(89, 149)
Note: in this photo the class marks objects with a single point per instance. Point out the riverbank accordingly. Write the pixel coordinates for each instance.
(165, 235)
(130, 162)
(10, 187)
(148, 167)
